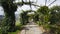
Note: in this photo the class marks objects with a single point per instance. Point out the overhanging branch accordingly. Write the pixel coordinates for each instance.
(26, 3)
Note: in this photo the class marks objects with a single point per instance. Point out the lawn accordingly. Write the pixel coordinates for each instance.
(14, 32)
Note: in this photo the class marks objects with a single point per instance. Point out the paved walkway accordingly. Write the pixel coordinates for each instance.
(32, 28)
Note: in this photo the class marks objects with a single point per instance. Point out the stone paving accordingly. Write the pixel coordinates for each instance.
(31, 28)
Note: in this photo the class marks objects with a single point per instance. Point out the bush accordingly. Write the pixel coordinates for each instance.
(4, 26)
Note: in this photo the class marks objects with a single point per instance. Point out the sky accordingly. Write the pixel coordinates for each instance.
(26, 7)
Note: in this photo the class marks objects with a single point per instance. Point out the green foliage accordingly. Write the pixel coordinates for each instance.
(18, 26)
(14, 32)
(24, 17)
(4, 26)
(55, 14)
(54, 20)
(36, 17)
(55, 8)
(9, 10)
(44, 14)
(50, 19)
(43, 10)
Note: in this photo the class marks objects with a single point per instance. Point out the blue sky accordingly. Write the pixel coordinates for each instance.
(25, 7)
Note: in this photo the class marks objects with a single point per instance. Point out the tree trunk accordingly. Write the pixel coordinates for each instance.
(9, 10)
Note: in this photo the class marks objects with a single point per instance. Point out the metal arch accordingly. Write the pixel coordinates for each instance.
(52, 2)
(45, 2)
(36, 3)
(30, 5)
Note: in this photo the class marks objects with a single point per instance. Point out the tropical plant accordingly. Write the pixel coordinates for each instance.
(9, 9)
(24, 17)
(44, 14)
